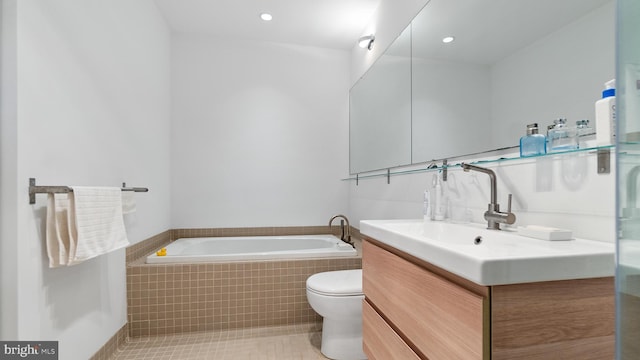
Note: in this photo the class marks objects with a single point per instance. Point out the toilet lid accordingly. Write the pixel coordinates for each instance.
(336, 283)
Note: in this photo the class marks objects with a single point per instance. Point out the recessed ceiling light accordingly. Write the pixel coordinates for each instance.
(266, 17)
(448, 39)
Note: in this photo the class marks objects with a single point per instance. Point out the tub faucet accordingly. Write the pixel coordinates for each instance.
(493, 215)
(345, 235)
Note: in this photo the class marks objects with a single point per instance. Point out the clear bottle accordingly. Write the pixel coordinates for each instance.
(583, 129)
(426, 206)
(438, 201)
(533, 143)
(562, 137)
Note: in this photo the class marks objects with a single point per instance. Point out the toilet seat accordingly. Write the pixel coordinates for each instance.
(336, 283)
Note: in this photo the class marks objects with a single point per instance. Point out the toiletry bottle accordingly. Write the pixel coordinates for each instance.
(426, 208)
(533, 143)
(583, 129)
(549, 128)
(606, 115)
(562, 137)
(435, 197)
(439, 206)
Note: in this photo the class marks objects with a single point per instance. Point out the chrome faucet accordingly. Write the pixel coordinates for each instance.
(345, 235)
(493, 215)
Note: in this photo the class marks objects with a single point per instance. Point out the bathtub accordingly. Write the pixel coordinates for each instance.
(221, 249)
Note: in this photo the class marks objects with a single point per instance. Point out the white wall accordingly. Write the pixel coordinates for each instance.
(92, 100)
(8, 171)
(259, 133)
(534, 73)
(566, 192)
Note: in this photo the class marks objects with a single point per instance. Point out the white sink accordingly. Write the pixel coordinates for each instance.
(491, 257)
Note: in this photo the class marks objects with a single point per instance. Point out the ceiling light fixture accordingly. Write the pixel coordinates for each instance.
(448, 39)
(266, 17)
(366, 41)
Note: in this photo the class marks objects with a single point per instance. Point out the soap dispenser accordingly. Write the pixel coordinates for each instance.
(533, 143)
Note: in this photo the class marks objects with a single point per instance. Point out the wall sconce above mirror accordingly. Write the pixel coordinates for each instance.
(366, 42)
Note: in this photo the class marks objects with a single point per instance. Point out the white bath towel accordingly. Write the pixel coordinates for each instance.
(97, 213)
(58, 229)
(128, 202)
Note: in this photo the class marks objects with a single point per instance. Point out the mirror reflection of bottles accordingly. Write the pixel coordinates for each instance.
(562, 137)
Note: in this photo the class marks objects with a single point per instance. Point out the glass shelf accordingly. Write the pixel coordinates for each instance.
(432, 166)
(629, 148)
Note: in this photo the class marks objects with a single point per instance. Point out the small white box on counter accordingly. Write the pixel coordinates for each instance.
(545, 233)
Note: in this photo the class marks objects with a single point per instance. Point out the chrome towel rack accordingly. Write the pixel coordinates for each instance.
(39, 189)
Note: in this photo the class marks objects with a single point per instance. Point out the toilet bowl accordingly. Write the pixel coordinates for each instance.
(337, 297)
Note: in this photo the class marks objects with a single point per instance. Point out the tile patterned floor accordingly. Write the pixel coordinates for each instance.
(300, 341)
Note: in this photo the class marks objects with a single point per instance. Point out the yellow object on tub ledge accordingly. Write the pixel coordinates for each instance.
(162, 252)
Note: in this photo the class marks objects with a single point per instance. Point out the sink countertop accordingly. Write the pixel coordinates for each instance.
(491, 257)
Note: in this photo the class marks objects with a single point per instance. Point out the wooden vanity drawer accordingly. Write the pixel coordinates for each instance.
(380, 341)
(440, 319)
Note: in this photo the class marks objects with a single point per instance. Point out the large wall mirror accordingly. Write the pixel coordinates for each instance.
(513, 62)
(380, 111)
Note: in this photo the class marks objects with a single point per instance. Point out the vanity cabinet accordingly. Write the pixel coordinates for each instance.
(382, 341)
(415, 310)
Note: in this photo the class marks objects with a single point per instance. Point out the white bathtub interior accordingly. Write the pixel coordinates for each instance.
(219, 249)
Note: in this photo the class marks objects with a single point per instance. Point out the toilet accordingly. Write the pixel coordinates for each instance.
(337, 296)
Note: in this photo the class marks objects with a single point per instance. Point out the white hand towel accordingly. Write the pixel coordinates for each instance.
(98, 220)
(128, 202)
(57, 230)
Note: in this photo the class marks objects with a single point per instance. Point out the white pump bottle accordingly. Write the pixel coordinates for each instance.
(606, 115)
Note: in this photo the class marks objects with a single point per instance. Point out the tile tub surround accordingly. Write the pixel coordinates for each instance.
(176, 298)
(148, 246)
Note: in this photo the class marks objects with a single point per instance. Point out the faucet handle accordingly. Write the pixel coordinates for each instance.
(509, 203)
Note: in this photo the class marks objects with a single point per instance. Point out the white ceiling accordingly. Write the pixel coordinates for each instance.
(323, 23)
(487, 31)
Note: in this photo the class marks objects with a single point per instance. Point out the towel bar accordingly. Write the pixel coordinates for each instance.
(33, 190)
